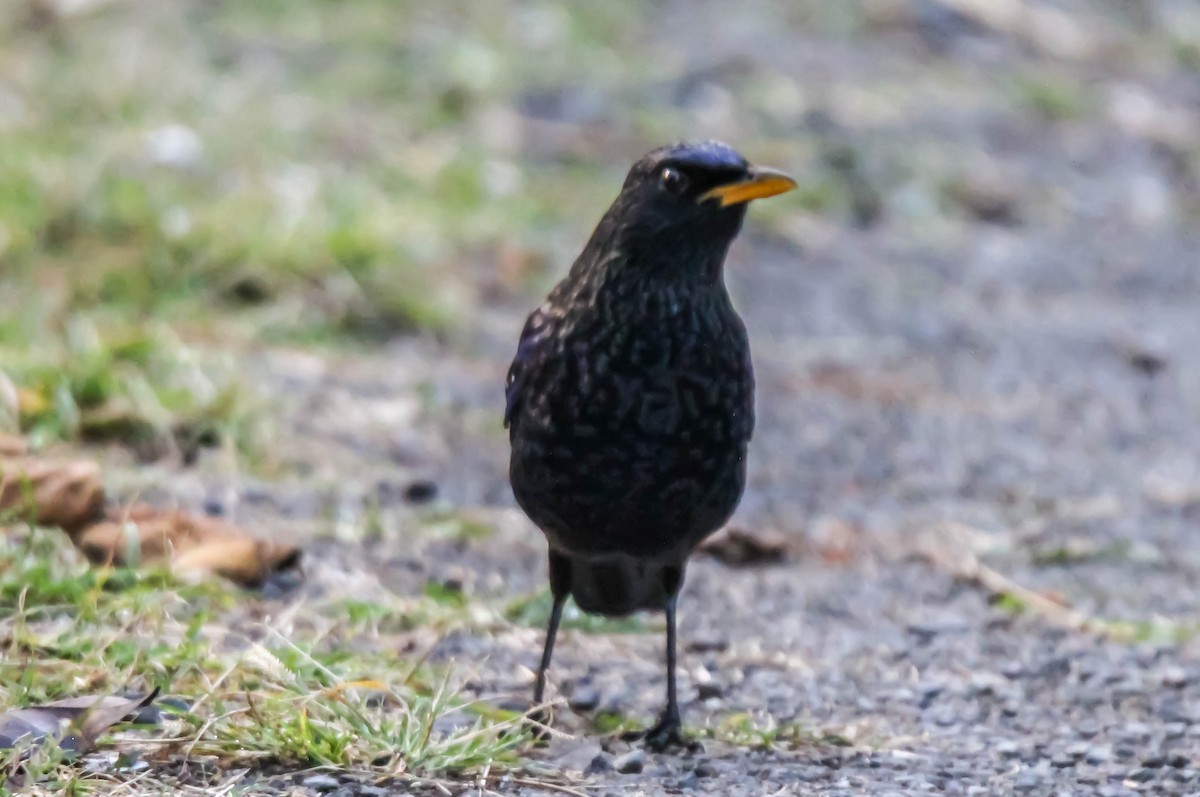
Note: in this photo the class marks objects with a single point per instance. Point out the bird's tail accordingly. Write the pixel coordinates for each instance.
(620, 585)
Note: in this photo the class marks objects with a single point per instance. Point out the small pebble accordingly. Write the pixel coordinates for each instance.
(599, 765)
(584, 698)
(631, 763)
(1135, 731)
(368, 790)
(420, 491)
(705, 770)
(1027, 781)
(1055, 668)
(1008, 749)
(1176, 677)
(1013, 670)
(1077, 750)
(710, 645)
(924, 633)
(986, 683)
(1172, 710)
(320, 783)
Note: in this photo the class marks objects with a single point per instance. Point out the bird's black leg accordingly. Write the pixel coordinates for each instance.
(668, 731)
(539, 691)
(560, 587)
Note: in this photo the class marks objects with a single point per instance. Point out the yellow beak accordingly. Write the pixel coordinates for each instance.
(759, 184)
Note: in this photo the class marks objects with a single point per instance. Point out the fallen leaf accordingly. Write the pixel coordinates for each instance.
(195, 546)
(739, 547)
(75, 723)
(65, 494)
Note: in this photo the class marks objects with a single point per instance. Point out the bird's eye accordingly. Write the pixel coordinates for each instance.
(673, 180)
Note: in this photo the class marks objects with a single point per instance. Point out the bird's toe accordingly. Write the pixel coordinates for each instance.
(667, 734)
(538, 721)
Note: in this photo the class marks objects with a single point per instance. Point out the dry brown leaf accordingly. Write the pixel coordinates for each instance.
(246, 561)
(193, 545)
(739, 547)
(65, 494)
(75, 723)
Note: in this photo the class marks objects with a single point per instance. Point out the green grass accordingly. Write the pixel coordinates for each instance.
(303, 168)
(317, 687)
(764, 733)
(1078, 552)
(138, 386)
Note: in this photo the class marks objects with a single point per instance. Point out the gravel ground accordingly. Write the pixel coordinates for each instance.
(1016, 356)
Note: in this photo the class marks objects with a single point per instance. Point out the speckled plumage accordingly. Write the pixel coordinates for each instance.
(630, 402)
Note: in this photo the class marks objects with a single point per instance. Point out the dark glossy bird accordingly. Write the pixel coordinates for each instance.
(630, 402)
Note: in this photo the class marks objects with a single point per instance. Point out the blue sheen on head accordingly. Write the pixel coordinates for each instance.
(710, 154)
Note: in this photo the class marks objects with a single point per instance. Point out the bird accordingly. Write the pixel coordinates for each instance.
(630, 400)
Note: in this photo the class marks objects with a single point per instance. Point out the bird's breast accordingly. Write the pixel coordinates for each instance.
(637, 427)
(656, 393)
(675, 371)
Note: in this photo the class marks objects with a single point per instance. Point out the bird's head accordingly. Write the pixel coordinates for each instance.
(681, 207)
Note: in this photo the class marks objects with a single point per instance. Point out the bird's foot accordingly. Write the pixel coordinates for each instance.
(661, 738)
(537, 722)
(667, 734)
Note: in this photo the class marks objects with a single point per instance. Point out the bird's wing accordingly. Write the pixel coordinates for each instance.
(533, 339)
